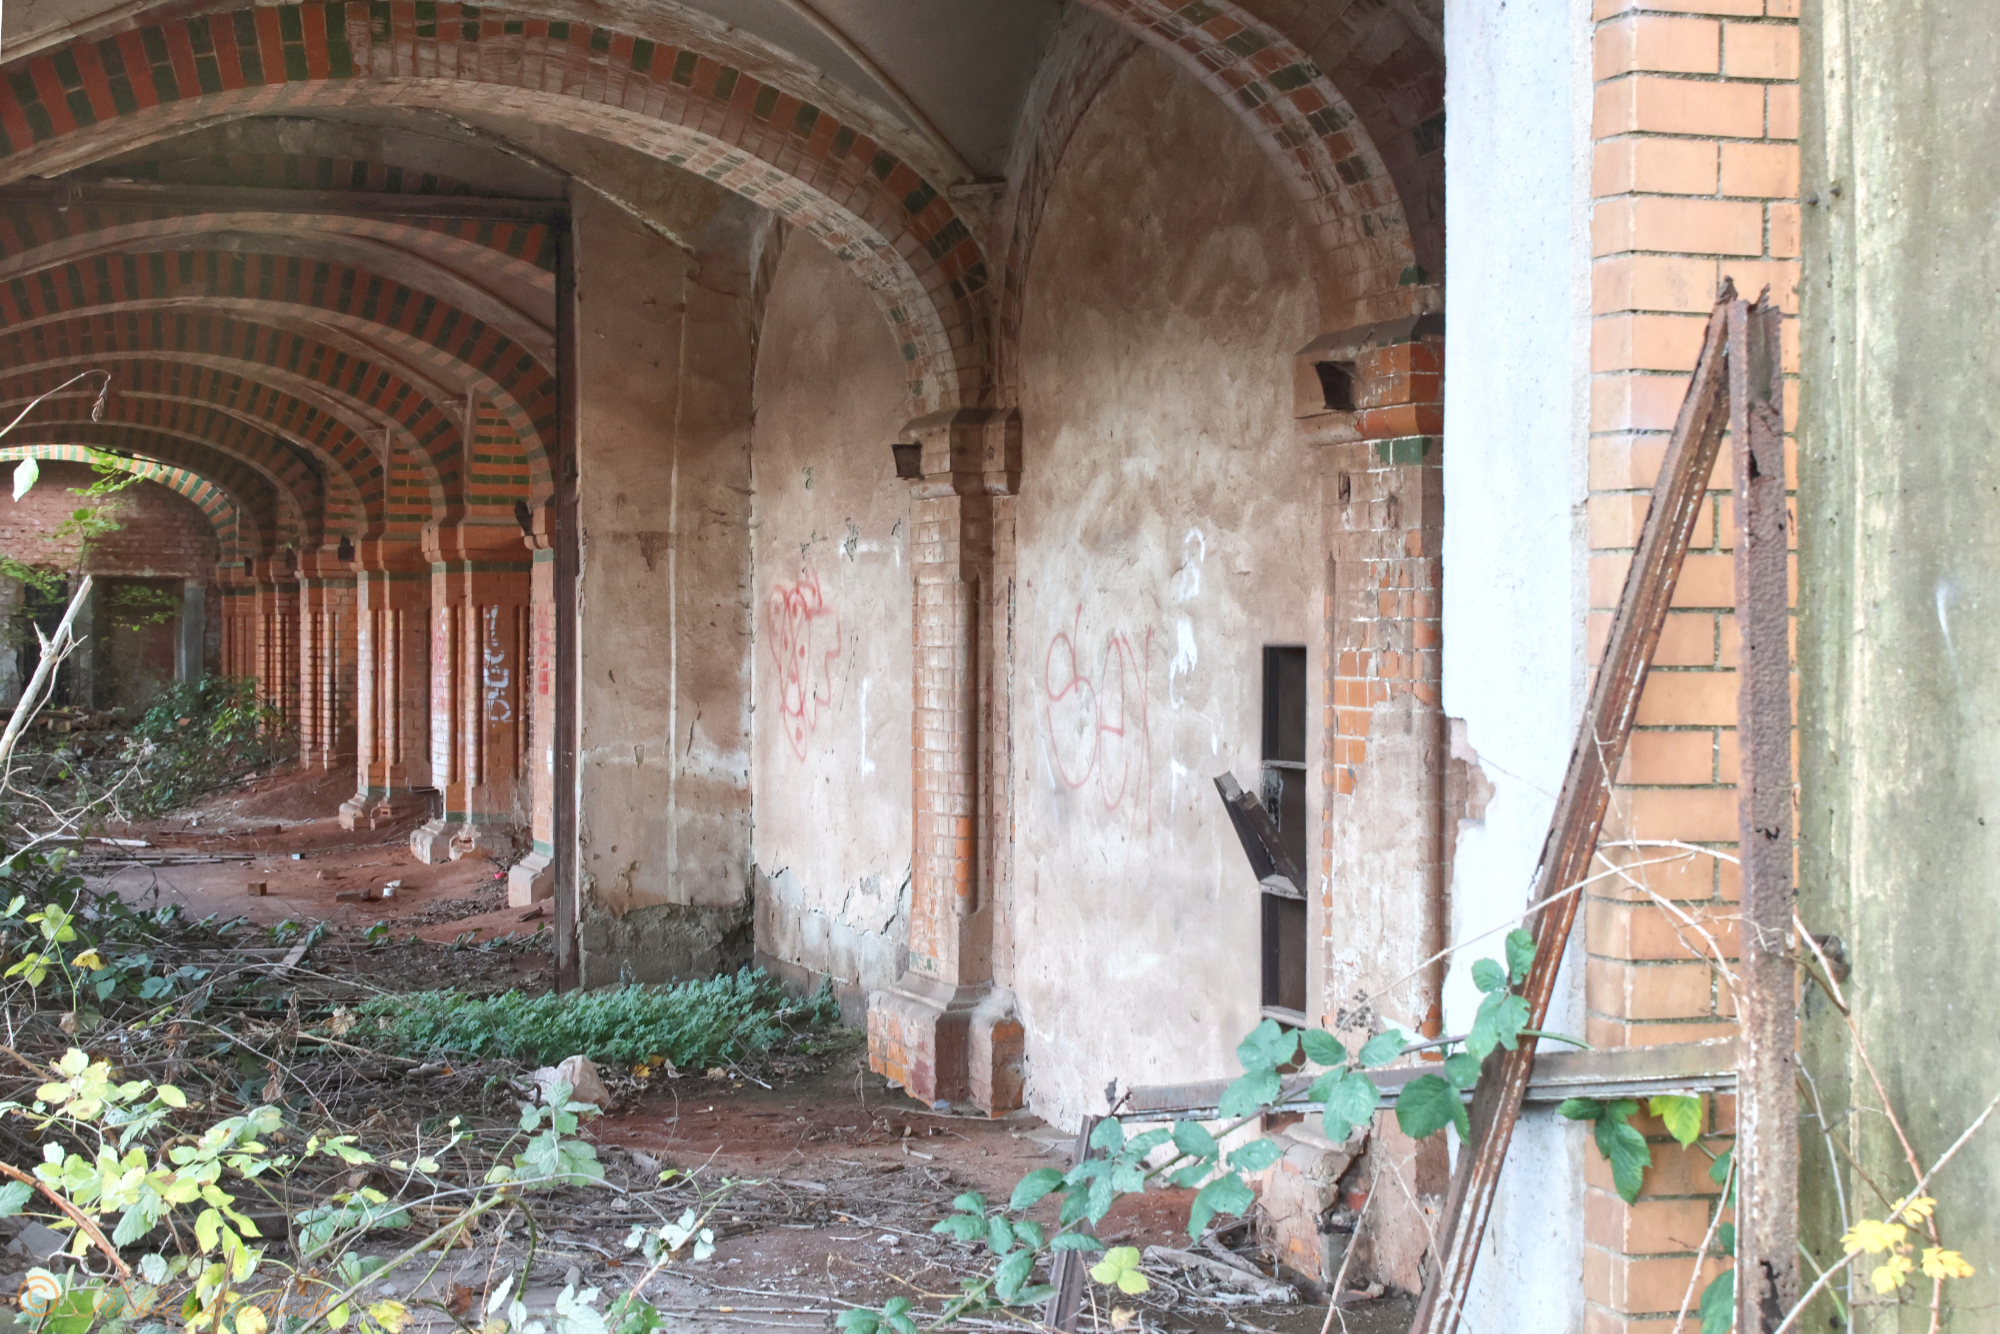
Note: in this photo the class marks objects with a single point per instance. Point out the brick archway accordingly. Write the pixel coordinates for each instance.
(259, 508)
(209, 497)
(897, 231)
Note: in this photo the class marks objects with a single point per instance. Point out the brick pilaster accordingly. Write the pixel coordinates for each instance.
(533, 878)
(391, 686)
(944, 1031)
(326, 661)
(479, 630)
(275, 635)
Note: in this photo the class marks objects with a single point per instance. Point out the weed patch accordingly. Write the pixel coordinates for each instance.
(693, 1024)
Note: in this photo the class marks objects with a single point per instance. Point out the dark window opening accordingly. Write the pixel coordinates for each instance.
(1282, 793)
(1336, 384)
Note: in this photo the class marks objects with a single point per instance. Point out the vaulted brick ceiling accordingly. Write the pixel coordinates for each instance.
(330, 366)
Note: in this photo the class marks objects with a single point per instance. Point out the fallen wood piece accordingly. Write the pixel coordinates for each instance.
(1248, 1281)
(291, 961)
(258, 888)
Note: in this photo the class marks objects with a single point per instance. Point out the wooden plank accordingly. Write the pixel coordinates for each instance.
(1678, 498)
(1767, 1138)
(1066, 1271)
(1616, 1072)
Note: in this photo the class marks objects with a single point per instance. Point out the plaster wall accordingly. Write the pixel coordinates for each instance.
(831, 745)
(1515, 559)
(1899, 618)
(1166, 526)
(664, 355)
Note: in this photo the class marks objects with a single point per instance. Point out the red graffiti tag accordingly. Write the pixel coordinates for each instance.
(1099, 726)
(803, 651)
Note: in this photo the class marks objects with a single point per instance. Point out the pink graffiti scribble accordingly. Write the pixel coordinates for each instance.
(1099, 726)
(803, 650)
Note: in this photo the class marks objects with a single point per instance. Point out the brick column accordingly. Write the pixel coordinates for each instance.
(1376, 902)
(1694, 178)
(274, 616)
(479, 632)
(238, 616)
(391, 686)
(945, 1031)
(533, 878)
(326, 661)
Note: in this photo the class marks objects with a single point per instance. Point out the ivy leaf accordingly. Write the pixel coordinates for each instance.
(1488, 977)
(14, 1197)
(1224, 1195)
(1031, 1234)
(896, 1313)
(1012, 1276)
(1323, 1048)
(1249, 1093)
(1625, 1149)
(1108, 1135)
(1502, 1016)
(1520, 954)
(972, 1202)
(1352, 1102)
(1681, 1112)
(1255, 1156)
(1034, 1186)
(1193, 1139)
(1725, 1239)
(1139, 1146)
(1718, 1303)
(1268, 1047)
(999, 1235)
(1427, 1105)
(1718, 1171)
(1461, 1069)
(1580, 1109)
(1380, 1050)
(25, 473)
(1076, 1241)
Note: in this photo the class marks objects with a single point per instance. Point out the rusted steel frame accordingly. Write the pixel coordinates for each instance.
(1767, 1135)
(1606, 725)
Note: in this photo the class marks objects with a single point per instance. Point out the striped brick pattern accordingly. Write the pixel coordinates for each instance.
(896, 229)
(1695, 177)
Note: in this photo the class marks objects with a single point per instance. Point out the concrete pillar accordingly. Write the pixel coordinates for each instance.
(391, 686)
(479, 633)
(190, 632)
(326, 661)
(945, 1031)
(533, 878)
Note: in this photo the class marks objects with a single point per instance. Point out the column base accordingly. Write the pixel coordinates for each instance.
(531, 880)
(366, 810)
(431, 841)
(945, 1043)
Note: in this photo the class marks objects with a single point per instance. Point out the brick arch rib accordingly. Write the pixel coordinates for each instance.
(212, 500)
(72, 105)
(255, 501)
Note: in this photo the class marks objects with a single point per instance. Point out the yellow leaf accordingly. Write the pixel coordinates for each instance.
(1874, 1236)
(1888, 1275)
(1917, 1210)
(389, 1315)
(250, 1320)
(88, 959)
(1940, 1263)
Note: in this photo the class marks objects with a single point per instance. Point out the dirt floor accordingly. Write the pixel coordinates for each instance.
(829, 1179)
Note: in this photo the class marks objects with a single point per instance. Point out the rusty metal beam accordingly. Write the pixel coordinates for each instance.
(1767, 1137)
(1579, 815)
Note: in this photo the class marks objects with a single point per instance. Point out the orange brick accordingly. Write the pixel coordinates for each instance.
(1625, 164)
(1768, 171)
(1643, 930)
(1625, 462)
(1687, 640)
(1672, 873)
(1780, 275)
(1650, 1227)
(1597, 1320)
(1760, 50)
(1646, 342)
(1649, 991)
(1607, 9)
(1669, 757)
(1689, 699)
(1654, 104)
(1640, 1284)
(1628, 401)
(1668, 43)
(1781, 111)
(1706, 581)
(1615, 520)
(1653, 282)
(1699, 815)
(1682, 226)
(1782, 9)
(1785, 234)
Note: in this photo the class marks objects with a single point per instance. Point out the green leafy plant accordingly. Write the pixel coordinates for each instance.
(693, 1024)
(197, 736)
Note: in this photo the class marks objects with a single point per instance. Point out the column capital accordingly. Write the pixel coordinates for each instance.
(381, 555)
(967, 451)
(1381, 382)
(471, 541)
